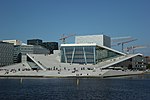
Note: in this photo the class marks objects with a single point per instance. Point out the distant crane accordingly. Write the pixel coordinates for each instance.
(118, 39)
(133, 48)
(63, 38)
(124, 42)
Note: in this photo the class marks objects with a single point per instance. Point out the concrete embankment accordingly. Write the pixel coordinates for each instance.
(119, 73)
(81, 74)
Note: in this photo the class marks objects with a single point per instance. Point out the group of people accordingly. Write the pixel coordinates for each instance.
(7, 71)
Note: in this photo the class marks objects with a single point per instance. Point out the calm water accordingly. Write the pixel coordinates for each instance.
(132, 88)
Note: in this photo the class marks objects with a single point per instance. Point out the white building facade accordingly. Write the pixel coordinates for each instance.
(15, 42)
(101, 40)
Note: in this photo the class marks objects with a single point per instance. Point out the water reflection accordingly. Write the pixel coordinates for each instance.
(128, 88)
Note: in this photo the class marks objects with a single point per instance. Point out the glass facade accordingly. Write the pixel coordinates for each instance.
(78, 54)
(104, 54)
(17, 54)
(85, 54)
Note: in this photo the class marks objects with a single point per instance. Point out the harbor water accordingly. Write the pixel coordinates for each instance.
(124, 88)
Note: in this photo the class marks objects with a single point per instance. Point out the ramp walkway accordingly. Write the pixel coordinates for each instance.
(116, 60)
(46, 61)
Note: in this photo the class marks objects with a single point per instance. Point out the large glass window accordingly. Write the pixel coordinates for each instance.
(78, 54)
(86, 54)
(103, 54)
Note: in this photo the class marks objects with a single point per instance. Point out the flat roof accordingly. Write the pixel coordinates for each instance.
(10, 40)
(90, 35)
(84, 44)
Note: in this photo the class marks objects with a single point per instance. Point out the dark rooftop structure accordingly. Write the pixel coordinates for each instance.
(51, 46)
(34, 42)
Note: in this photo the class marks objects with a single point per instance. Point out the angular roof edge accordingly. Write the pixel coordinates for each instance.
(113, 50)
(93, 44)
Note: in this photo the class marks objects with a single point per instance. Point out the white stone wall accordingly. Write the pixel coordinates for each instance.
(101, 40)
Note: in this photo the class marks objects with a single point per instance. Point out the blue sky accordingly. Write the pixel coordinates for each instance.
(49, 19)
